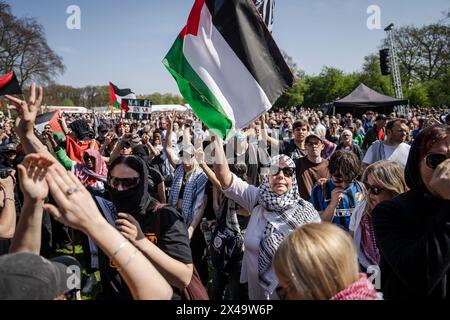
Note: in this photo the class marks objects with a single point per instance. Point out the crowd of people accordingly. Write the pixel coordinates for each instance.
(297, 205)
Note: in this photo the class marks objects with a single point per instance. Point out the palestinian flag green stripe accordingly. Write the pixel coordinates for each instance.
(196, 92)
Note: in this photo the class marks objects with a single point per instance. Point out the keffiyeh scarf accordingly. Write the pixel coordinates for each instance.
(284, 214)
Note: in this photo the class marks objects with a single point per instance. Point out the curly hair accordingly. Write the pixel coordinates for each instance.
(345, 165)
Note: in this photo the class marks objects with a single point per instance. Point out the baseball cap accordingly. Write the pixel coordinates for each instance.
(381, 117)
(27, 276)
(313, 135)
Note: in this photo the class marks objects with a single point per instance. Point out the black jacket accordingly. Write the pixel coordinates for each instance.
(413, 235)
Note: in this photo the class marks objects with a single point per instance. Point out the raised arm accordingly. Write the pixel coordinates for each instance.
(200, 157)
(168, 148)
(26, 118)
(8, 212)
(34, 188)
(221, 168)
(79, 211)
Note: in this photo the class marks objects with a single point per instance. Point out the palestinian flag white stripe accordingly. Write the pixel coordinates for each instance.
(227, 65)
(228, 79)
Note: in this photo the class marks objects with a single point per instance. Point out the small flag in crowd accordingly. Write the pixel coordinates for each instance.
(9, 84)
(227, 65)
(50, 118)
(116, 95)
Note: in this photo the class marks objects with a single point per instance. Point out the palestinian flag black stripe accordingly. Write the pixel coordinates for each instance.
(235, 19)
(121, 92)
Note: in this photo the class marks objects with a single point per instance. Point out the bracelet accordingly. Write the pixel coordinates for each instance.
(129, 260)
(120, 248)
(10, 199)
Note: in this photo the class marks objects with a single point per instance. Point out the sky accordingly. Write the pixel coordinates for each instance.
(125, 41)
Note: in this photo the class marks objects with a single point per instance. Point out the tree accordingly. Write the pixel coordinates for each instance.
(418, 96)
(330, 85)
(24, 49)
(423, 53)
(67, 102)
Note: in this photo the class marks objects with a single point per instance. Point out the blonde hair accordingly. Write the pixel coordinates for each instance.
(388, 175)
(318, 261)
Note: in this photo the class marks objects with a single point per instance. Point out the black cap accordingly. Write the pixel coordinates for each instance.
(102, 128)
(381, 117)
(27, 276)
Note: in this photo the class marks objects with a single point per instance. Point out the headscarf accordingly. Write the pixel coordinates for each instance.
(284, 214)
(84, 173)
(135, 201)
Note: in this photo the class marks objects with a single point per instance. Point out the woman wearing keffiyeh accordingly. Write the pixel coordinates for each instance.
(276, 210)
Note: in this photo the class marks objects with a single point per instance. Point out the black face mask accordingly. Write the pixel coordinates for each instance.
(136, 200)
(132, 201)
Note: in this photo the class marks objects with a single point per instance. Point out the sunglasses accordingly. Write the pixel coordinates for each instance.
(433, 160)
(287, 171)
(126, 183)
(373, 189)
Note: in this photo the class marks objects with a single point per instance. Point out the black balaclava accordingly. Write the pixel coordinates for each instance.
(134, 201)
(81, 129)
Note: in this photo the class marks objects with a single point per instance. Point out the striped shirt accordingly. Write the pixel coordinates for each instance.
(321, 197)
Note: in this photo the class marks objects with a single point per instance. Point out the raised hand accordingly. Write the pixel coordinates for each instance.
(200, 155)
(27, 110)
(32, 173)
(77, 209)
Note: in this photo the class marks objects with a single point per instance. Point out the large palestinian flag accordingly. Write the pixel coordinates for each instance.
(227, 65)
(9, 84)
(116, 95)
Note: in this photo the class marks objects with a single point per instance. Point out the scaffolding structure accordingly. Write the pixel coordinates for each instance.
(395, 69)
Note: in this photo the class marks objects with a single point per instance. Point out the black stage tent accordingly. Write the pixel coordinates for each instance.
(363, 99)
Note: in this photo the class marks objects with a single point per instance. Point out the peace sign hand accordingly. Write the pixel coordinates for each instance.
(27, 110)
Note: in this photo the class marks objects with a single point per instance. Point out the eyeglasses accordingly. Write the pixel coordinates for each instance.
(287, 171)
(433, 160)
(126, 183)
(373, 189)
